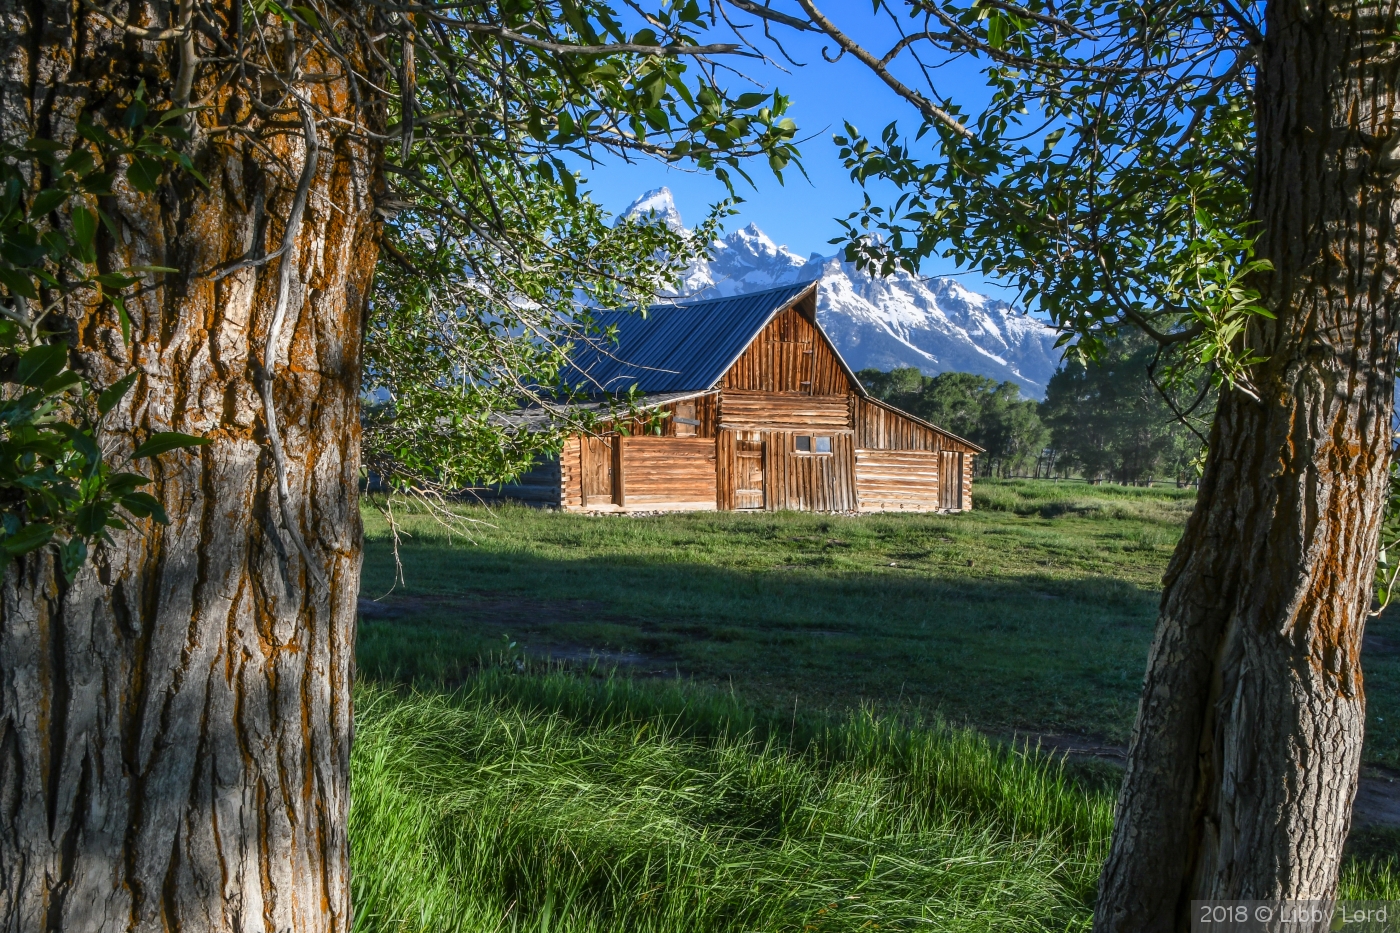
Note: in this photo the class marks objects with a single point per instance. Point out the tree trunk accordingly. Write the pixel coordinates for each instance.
(1245, 756)
(175, 722)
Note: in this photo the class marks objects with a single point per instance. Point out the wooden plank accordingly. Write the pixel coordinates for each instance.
(789, 355)
(665, 473)
(898, 480)
(784, 411)
(571, 474)
(619, 474)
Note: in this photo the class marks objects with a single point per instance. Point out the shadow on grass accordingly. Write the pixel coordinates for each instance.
(1024, 652)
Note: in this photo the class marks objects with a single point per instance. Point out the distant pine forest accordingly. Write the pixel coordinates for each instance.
(1115, 419)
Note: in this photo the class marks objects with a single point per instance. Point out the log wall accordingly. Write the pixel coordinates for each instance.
(668, 474)
(801, 481)
(571, 474)
(540, 485)
(785, 411)
(705, 408)
(897, 480)
(882, 427)
(809, 482)
(898, 460)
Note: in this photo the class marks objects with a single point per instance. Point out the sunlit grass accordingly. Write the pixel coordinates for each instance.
(556, 802)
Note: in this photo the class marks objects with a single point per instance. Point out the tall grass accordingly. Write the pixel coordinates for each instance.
(550, 802)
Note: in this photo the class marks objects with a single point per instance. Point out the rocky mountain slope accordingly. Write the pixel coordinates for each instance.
(933, 324)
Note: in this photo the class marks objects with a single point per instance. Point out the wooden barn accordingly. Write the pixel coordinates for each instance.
(745, 405)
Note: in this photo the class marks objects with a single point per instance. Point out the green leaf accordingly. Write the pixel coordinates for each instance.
(90, 519)
(40, 364)
(135, 114)
(18, 283)
(115, 392)
(84, 226)
(29, 538)
(144, 505)
(58, 383)
(144, 174)
(120, 484)
(122, 317)
(163, 441)
(71, 556)
(79, 163)
(46, 201)
(116, 280)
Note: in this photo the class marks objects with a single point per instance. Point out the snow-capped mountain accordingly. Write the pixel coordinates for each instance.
(935, 325)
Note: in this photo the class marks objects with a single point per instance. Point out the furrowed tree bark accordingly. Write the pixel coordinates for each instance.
(1247, 747)
(175, 722)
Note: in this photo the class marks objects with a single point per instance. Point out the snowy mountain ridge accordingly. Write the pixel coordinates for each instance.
(935, 325)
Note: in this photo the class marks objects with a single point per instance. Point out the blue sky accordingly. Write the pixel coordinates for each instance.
(800, 214)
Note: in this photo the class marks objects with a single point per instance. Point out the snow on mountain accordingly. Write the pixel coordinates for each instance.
(935, 324)
(656, 205)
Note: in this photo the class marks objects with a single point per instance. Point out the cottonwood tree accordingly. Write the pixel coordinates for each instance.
(1223, 178)
(195, 200)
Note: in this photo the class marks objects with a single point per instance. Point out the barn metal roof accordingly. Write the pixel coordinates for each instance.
(540, 418)
(683, 346)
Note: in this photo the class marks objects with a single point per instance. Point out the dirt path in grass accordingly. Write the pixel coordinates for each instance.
(528, 621)
(1377, 798)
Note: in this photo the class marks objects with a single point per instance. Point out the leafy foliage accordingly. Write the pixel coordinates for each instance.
(498, 258)
(1107, 177)
(56, 482)
(462, 336)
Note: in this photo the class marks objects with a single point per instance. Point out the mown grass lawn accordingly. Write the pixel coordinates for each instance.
(734, 722)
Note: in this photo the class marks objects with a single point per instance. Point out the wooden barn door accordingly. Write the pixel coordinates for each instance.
(748, 470)
(598, 471)
(950, 480)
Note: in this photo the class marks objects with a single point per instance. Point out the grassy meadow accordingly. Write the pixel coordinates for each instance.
(761, 722)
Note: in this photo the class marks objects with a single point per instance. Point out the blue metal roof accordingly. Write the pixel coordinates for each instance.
(682, 347)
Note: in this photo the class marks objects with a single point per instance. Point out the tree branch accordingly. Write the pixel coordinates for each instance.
(928, 108)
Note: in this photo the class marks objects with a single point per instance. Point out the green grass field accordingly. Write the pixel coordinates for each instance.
(760, 722)
(1033, 612)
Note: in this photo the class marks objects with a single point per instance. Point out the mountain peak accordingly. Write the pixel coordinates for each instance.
(658, 204)
(935, 324)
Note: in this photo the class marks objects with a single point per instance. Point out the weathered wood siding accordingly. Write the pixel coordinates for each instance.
(967, 483)
(741, 451)
(882, 427)
(899, 461)
(792, 479)
(897, 480)
(789, 355)
(788, 411)
(668, 473)
(702, 408)
(810, 482)
(539, 485)
(571, 474)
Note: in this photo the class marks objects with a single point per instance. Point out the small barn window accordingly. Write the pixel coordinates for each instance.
(812, 444)
(804, 444)
(821, 445)
(684, 419)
